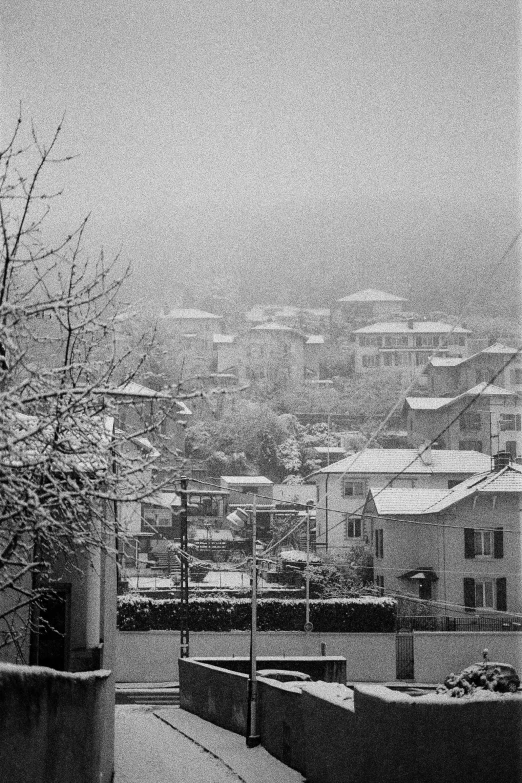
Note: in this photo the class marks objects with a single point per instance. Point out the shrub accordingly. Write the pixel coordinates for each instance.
(370, 615)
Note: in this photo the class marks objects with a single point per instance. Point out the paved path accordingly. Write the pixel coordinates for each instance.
(169, 745)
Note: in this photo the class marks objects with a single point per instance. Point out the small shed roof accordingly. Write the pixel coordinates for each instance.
(372, 295)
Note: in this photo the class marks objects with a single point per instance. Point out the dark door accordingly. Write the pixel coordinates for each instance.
(404, 655)
(50, 638)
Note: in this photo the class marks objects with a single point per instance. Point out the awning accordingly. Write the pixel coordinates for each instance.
(422, 575)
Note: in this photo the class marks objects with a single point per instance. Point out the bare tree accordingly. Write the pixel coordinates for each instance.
(64, 465)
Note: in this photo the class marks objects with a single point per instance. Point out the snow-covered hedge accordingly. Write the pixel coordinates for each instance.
(349, 615)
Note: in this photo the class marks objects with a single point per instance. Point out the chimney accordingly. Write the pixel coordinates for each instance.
(501, 460)
(410, 323)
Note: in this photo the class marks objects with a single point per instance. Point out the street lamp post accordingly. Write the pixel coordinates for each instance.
(253, 737)
(308, 625)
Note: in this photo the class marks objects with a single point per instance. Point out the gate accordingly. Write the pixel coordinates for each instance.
(404, 655)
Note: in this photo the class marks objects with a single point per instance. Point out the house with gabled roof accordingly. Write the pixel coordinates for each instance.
(367, 306)
(342, 486)
(273, 353)
(485, 418)
(458, 547)
(497, 364)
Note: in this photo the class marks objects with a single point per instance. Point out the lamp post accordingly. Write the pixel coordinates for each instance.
(308, 626)
(184, 604)
(253, 738)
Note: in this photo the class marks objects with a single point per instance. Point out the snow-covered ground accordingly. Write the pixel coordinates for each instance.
(220, 579)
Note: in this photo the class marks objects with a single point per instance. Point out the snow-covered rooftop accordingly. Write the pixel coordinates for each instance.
(391, 461)
(372, 295)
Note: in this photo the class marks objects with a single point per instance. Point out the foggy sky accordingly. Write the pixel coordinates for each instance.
(322, 145)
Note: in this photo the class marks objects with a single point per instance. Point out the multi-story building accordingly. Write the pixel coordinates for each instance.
(406, 346)
(273, 353)
(190, 334)
(498, 364)
(342, 487)
(459, 547)
(485, 418)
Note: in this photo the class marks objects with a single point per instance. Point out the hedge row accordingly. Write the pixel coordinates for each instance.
(349, 615)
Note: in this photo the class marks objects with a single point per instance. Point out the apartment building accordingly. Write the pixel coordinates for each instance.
(406, 346)
(485, 418)
(459, 547)
(497, 364)
(342, 486)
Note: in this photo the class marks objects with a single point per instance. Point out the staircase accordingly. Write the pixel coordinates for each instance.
(150, 696)
(169, 564)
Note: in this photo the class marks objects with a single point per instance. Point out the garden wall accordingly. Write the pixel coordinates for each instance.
(54, 726)
(395, 738)
(152, 656)
(437, 654)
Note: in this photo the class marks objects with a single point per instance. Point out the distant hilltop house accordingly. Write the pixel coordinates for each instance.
(459, 547)
(485, 418)
(342, 487)
(367, 306)
(307, 319)
(405, 346)
(191, 331)
(497, 364)
(269, 351)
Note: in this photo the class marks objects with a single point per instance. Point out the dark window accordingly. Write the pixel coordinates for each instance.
(354, 488)
(510, 422)
(511, 446)
(470, 422)
(352, 528)
(379, 543)
(425, 590)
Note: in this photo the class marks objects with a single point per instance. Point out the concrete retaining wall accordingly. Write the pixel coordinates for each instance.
(394, 738)
(152, 656)
(53, 725)
(217, 695)
(438, 654)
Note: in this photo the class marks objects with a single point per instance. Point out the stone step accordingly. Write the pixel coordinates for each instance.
(150, 696)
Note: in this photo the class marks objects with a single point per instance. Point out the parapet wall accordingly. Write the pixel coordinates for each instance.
(54, 725)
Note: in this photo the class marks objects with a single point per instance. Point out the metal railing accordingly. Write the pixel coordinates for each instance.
(472, 623)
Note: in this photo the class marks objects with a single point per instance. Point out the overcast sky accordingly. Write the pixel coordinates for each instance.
(215, 133)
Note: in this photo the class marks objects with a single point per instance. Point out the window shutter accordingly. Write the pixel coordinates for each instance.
(498, 542)
(518, 421)
(502, 594)
(469, 543)
(469, 593)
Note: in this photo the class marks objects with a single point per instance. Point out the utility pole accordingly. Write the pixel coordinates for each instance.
(253, 738)
(184, 607)
(308, 626)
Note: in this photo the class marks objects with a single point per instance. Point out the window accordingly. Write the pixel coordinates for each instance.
(379, 582)
(352, 528)
(155, 516)
(370, 361)
(470, 445)
(511, 446)
(388, 359)
(510, 422)
(379, 543)
(485, 594)
(426, 341)
(354, 488)
(470, 422)
(483, 543)
(484, 376)
(396, 342)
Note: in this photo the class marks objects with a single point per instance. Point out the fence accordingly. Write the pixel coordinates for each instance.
(474, 623)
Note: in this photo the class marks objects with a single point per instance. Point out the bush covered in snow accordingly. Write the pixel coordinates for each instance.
(348, 615)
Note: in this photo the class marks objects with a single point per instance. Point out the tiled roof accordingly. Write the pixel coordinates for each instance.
(500, 348)
(272, 326)
(247, 481)
(190, 313)
(446, 361)
(432, 501)
(418, 327)
(372, 295)
(391, 461)
(406, 501)
(435, 403)
(426, 403)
